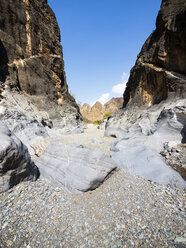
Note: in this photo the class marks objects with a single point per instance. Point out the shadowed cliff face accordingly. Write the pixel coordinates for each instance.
(31, 54)
(160, 69)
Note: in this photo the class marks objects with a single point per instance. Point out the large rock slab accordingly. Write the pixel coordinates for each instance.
(149, 127)
(15, 162)
(146, 162)
(76, 168)
(167, 118)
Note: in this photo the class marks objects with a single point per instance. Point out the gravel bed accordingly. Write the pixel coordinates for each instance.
(126, 211)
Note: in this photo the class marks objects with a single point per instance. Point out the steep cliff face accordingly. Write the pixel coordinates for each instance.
(160, 69)
(31, 59)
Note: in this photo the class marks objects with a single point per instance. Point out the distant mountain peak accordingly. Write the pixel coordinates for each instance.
(98, 110)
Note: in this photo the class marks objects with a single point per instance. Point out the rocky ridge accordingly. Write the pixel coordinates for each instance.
(98, 110)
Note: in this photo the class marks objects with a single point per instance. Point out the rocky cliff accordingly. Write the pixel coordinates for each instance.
(31, 60)
(160, 69)
(98, 110)
(153, 118)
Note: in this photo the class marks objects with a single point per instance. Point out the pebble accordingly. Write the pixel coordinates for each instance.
(125, 211)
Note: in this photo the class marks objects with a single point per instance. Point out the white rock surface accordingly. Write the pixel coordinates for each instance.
(76, 168)
(25, 127)
(146, 162)
(15, 162)
(142, 134)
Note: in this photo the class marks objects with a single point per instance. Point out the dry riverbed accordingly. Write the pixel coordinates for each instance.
(125, 211)
(92, 138)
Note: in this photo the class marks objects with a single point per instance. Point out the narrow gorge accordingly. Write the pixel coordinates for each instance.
(65, 182)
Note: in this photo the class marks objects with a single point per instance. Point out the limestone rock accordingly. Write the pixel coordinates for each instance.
(28, 129)
(150, 128)
(146, 162)
(160, 69)
(31, 60)
(15, 162)
(76, 168)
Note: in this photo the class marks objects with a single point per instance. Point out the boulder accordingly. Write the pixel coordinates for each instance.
(147, 121)
(75, 168)
(15, 162)
(146, 162)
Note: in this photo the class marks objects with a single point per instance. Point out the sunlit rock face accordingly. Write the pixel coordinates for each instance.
(98, 110)
(31, 59)
(160, 69)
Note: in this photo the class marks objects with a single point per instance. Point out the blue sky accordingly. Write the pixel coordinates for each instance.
(101, 40)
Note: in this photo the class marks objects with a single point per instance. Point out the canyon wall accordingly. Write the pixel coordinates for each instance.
(160, 69)
(31, 58)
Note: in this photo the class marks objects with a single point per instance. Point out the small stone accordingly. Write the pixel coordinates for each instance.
(4, 225)
(180, 240)
(9, 242)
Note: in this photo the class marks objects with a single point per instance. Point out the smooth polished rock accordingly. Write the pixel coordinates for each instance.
(25, 127)
(15, 162)
(146, 162)
(76, 168)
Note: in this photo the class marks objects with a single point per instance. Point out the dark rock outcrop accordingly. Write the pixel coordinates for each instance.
(15, 162)
(31, 59)
(160, 69)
